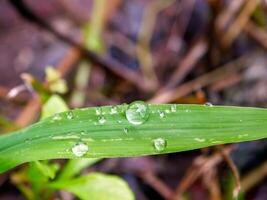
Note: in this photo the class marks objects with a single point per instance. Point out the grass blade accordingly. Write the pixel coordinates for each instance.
(106, 132)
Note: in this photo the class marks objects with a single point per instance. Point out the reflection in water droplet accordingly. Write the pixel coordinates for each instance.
(70, 115)
(173, 108)
(159, 144)
(114, 110)
(101, 119)
(56, 117)
(137, 112)
(79, 149)
(208, 104)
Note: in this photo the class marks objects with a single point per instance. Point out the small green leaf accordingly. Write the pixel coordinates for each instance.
(48, 170)
(74, 166)
(54, 104)
(96, 186)
(56, 83)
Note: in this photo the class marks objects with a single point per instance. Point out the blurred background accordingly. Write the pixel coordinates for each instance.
(107, 52)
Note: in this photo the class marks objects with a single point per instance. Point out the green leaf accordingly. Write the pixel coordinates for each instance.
(74, 166)
(56, 83)
(54, 104)
(48, 170)
(96, 186)
(105, 132)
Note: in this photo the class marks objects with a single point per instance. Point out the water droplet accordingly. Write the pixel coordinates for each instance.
(137, 112)
(200, 139)
(161, 114)
(126, 130)
(79, 149)
(208, 104)
(159, 144)
(56, 117)
(65, 137)
(173, 108)
(119, 121)
(98, 111)
(114, 110)
(70, 115)
(101, 119)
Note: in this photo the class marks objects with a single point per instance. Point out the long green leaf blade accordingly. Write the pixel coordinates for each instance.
(106, 132)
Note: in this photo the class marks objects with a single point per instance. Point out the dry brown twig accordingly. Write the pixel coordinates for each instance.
(233, 169)
(204, 80)
(201, 165)
(239, 23)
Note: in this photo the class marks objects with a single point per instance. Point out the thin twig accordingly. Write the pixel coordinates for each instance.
(204, 80)
(234, 170)
(105, 61)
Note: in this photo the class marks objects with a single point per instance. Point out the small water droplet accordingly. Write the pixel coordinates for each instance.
(70, 115)
(114, 110)
(167, 111)
(101, 119)
(208, 104)
(119, 121)
(79, 149)
(200, 139)
(173, 108)
(137, 112)
(98, 111)
(56, 117)
(126, 130)
(161, 114)
(159, 144)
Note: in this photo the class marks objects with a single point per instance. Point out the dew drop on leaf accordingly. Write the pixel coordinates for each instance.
(114, 110)
(101, 120)
(159, 144)
(79, 149)
(200, 139)
(173, 108)
(161, 114)
(126, 130)
(208, 104)
(56, 117)
(98, 111)
(137, 112)
(70, 115)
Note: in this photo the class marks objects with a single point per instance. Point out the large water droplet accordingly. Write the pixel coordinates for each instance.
(79, 149)
(101, 119)
(70, 115)
(159, 144)
(137, 112)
